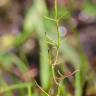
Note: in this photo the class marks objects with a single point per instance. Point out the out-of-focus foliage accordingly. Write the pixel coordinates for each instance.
(56, 64)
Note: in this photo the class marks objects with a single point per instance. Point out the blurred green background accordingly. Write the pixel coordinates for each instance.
(45, 42)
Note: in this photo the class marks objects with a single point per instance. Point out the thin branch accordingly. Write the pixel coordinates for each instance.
(42, 89)
(51, 19)
(54, 77)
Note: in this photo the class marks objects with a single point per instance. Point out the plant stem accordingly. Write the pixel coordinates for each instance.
(57, 51)
(29, 90)
(56, 10)
(42, 89)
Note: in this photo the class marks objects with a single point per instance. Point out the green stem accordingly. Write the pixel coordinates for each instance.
(78, 90)
(57, 25)
(57, 51)
(56, 10)
(29, 90)
(51, 19)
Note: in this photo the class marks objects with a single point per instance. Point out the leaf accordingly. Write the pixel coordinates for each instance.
(9, 59)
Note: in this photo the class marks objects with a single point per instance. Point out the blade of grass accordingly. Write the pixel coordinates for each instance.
(14, 87)
(78, 85)
(8, 59)
(29, 90)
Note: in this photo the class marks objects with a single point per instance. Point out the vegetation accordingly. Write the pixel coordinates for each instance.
(44, 58)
